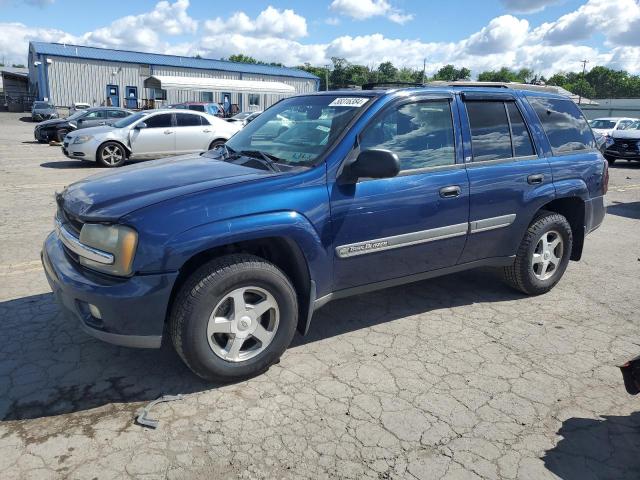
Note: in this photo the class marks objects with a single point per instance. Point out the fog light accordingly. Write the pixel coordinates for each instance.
(95, 312)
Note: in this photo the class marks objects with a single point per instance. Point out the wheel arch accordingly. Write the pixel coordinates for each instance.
(127, 150)
(573, 209)
(221, 139)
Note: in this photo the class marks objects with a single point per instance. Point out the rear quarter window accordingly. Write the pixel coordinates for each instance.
(564, 124)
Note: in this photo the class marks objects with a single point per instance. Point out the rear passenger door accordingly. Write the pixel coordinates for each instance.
(157, 139)
(414, 222)
(191, 135)
(509, 179)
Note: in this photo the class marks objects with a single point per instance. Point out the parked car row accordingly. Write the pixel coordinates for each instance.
(617, 137)
(56, 129)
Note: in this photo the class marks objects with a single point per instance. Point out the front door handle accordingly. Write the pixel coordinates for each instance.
(206, 130)
(450, 192)
(535, 179)
(168, 132)
(102, 123)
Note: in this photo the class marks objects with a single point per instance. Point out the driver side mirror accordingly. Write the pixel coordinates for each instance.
(373, 163)
(140, 126)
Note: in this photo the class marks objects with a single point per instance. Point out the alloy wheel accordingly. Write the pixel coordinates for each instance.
(112, 154)
(243, 324)
(547, 255)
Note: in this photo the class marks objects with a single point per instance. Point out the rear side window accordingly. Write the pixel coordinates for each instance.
(420, 133)
(117, 114)
(159, 121)
(197, 108)
(564, 124)
(95, 114)
(187, 120)
(498, 131)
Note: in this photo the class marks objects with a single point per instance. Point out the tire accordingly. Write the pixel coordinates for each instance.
(206, 298)
(60, 134)
(610, 159)
(216, 143)
(111, 155)
(528, 272)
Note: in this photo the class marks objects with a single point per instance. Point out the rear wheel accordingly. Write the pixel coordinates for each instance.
(216, 144)
(111, 154)
(234, 317)
(543, 255)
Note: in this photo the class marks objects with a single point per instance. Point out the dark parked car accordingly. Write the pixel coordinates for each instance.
(57, 129)
(234, 249)
(244, 117)
(43, 111)
(623, 144)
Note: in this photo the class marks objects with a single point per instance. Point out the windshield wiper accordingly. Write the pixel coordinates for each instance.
(268, 159)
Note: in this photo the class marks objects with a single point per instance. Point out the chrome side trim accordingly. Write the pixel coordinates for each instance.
(492, 223)
(404, 240)
(73, 243)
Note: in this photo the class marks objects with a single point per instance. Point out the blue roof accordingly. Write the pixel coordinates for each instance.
(126, 56)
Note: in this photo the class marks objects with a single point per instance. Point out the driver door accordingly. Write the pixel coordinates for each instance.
(158, 139)
(414, 222)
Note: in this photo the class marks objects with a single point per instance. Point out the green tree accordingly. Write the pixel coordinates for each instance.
(387, 72)
(241, 58)
(506, 75)
(450, 73)
(17, 65)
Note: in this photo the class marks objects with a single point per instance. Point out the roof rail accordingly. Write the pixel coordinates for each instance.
(512, 85)
(385, 85)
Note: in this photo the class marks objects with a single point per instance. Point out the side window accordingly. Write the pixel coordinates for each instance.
(564, 124)
(522, 145)
(159, 121)
(187, 120)
(490, 138)
(94, 115)
(117, 114)
(420, 133)
(623, 124)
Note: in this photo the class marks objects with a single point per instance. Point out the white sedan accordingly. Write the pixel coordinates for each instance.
(149, 134)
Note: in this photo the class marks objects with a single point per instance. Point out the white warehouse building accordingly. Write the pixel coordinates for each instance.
(65, 74)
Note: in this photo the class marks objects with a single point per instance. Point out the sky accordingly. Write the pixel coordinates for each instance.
(546, 36)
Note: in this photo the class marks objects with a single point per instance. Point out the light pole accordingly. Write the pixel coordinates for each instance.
(584, 67)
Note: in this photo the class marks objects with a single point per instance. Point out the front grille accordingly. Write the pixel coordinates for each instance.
(72, 222)
(629, 145)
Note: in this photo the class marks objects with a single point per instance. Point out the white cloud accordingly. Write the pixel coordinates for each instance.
(15, 38)
(271, 22)
(527, 6)
(39, 3)
(363, 9)
(502, 34)
(333, 21)
(144, 31)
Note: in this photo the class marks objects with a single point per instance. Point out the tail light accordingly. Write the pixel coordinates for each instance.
(605, 178)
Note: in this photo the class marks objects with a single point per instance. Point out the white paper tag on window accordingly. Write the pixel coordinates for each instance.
(349, 102)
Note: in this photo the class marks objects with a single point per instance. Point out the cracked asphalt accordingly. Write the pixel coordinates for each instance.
(453, 378)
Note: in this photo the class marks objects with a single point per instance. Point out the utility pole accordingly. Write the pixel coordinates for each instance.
(326, 78)
(584, 67)
(424, 69)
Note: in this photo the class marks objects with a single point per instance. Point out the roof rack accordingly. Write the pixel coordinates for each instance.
(512, 85)
(385, 85)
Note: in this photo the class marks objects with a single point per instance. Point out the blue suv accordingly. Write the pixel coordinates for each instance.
(324, 196)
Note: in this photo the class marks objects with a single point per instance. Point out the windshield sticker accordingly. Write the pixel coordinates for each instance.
(301, 156)
(349, 102)
(323, 128)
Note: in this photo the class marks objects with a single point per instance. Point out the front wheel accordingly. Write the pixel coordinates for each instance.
(111, 154)
(234, 317)
(216, 144)
(61, 134)
(543, 255)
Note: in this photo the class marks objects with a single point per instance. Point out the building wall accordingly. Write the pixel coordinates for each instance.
(613, 107)
(79, 80)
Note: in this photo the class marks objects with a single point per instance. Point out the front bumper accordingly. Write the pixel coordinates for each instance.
(133, 310)
(630, 152)
(79, 151)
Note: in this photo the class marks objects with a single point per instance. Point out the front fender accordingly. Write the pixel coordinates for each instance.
(285, 224)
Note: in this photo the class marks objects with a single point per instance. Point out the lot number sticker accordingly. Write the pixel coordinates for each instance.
(349, 102)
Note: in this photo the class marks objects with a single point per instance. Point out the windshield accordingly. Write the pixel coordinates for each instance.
(599, 123)
(77, 115)
(42, 105)
(125, 122)
(633, 126)
(298, 130)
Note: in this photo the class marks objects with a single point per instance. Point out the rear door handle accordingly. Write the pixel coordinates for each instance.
(535, 179)
(450, 192)
(206, 130)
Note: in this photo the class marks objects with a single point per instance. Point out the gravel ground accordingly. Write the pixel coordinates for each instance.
(457, 377)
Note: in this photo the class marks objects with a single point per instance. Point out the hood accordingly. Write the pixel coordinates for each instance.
(93, 130)
(630, 134)
(111, 195)
(52, 122)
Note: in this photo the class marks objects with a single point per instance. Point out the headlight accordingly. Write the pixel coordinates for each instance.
(608, 141)
(83, 138)
(118, 240)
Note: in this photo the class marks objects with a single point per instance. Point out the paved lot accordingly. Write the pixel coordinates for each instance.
(457, 377)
